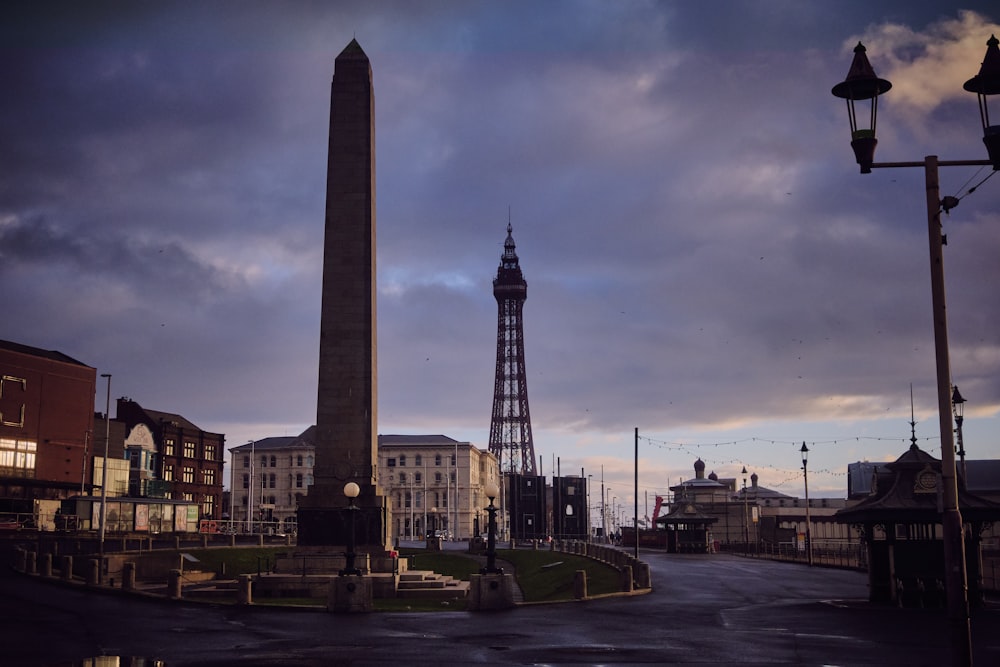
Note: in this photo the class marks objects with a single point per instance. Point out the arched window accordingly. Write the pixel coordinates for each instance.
(437, 459)
(298, 481)
(402, 478)
(418, 460)
(263, 462)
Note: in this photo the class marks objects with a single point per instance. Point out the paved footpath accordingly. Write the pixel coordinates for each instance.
(717, 609)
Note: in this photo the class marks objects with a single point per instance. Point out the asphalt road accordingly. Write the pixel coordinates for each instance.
(717, 609)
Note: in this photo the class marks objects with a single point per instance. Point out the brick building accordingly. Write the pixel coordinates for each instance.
(46, 426)
(172, 458)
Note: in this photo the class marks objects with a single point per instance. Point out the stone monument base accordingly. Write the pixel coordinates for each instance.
(491, 592)
(350, 594)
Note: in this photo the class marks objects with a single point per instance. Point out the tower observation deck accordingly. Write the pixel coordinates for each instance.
(510, 426)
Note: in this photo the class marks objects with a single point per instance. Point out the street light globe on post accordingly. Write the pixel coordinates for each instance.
(491, 490)
(986, 83)
(862, 84)
(805, 455)
(352, 490)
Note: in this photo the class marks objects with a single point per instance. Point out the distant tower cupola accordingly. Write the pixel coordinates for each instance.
(699, 469)
(753, 480)
(712, 476)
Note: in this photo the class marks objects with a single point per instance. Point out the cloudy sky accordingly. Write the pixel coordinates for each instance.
(704, 261)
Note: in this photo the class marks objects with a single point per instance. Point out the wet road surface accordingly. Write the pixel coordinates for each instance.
(717, 609)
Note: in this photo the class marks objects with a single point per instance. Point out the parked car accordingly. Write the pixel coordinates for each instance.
(9, 523)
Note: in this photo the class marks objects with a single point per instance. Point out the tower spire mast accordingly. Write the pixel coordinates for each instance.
(510, 427)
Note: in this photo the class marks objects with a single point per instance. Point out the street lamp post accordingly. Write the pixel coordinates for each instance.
(492, 491)
(746, 514)
(958, 402)
(104, 478)
(861, 84)
(805, 479)
(351, 490)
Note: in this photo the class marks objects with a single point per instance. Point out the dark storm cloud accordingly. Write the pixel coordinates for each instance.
(699, 248)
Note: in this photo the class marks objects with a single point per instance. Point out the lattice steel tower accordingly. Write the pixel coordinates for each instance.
(510, 427)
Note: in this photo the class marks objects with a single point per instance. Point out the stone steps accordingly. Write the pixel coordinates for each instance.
(424, 584)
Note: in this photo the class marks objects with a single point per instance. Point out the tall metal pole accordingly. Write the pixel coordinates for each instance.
(604, 510)
(957, 587)
(253, 456)
(805, 480)
(635, 519)
(104, 478)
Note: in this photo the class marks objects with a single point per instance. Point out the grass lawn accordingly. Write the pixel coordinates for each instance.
(546, 576)
(231, 562)
(543, 575)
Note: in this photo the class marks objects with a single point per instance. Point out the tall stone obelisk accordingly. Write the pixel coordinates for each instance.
(347, 398)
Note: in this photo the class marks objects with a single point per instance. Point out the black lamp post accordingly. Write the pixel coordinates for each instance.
(746, 514)
(861, 84)
(492, 491)
(805, 479)
(958, 403)
(351, 490)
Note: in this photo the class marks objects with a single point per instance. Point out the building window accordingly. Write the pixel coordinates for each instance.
(188, 475)
(392, 462)
(453, 459)
(190, 450)
(416, 478)
(272, 480)
(402, 478)
(402, 460)
(437, 478)
(208, 506)
(309, 461)
(274, 461)
(188, 496)
(168, 472)
(246, 461)
(437, 459)
(208, 476)
(168, 447)
(246, 481)
(418, 460)
(298, 481)
(263, 462)
(298, 460)
(309, 480)
(209, 451)
(452, 476)
(406, 502)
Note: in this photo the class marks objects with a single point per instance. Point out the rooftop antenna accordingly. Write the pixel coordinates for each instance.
(913, 423)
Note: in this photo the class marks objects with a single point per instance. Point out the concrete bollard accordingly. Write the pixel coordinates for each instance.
(204, 541)
(31, 562)
(177, 542)
(128, 576)
(642, 576)
(174, 584)
(232, 540)
(66, 569)
(20, 559)
(260, 540)
(244, 593)
(580, 585)
(93, 572)
(46, 565)
(626, 579)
